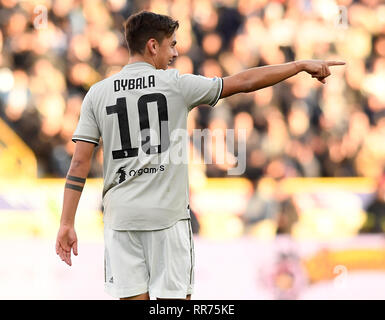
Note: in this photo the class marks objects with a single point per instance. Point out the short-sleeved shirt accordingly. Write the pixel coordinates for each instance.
(140, 114)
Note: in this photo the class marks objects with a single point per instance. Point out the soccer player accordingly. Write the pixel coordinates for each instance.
(147, 232)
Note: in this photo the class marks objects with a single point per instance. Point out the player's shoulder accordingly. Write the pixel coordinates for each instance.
(174, 73)
(174, 77)
(95, 88)
(171, 74)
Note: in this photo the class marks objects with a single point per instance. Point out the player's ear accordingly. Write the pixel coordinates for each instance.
(152, 46)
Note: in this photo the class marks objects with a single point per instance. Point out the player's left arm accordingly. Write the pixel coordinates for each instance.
(75, 180)
(260, 77)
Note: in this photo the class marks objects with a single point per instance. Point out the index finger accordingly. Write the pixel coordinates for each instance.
(335, 63)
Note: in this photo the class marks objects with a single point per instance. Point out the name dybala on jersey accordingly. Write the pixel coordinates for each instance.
(143, 189)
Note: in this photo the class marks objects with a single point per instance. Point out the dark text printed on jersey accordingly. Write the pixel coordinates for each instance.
(134, 83)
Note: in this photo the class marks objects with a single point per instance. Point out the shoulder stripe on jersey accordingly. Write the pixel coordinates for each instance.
(220, 93)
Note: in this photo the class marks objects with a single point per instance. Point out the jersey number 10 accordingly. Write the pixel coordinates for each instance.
(120, 108)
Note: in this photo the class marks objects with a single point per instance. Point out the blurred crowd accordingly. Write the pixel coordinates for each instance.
(52, 51)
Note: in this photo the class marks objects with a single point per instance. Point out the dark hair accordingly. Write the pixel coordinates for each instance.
(142, 26)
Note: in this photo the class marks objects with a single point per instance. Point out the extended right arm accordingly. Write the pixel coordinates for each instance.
(261, 77)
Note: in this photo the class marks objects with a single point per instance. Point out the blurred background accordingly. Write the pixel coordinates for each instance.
(304, 221)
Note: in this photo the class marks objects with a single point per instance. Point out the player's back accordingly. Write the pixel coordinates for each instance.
(141, 115)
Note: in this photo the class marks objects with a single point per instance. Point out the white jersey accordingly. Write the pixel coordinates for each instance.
(140, 114)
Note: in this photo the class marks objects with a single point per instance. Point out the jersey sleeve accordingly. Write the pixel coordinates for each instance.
(197, 90)
(87, 128)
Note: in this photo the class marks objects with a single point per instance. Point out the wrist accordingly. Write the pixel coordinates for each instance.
(67, 224)
(299, 65)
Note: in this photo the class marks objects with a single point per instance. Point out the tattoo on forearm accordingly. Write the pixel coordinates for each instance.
(74, 187)
(76, 179)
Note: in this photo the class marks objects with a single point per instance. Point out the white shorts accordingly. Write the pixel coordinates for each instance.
(160, 262)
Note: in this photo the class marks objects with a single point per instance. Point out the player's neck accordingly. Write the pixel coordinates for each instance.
(140, 58)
